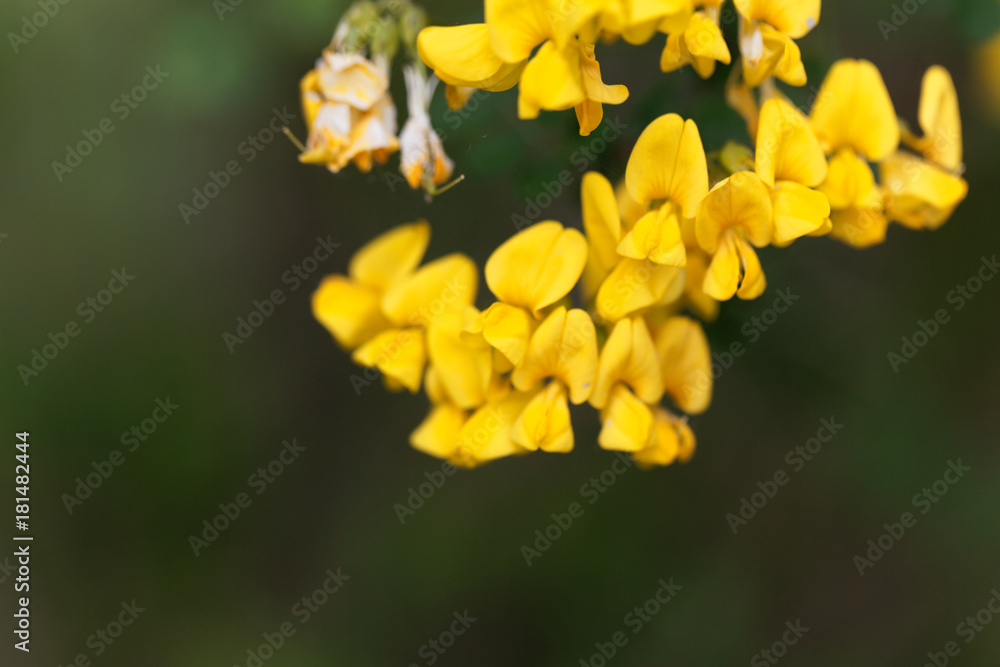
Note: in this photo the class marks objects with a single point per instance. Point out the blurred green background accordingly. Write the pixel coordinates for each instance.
(333, 507)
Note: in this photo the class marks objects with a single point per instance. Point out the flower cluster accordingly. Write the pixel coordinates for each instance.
(564, 73)
(348, 110)
(500, 380)
(606, 316)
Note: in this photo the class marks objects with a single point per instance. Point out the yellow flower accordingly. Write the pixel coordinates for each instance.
(619, 285)
(562, 74)
(700, 45)
(857, 213)
(563, 349)
(537, 266)
(667, 165)
(384, 306)
(628, 363)
(790, 162)
(603, 227)
(462, 56)
(422, 156)
(462, 364)
(922, 192)
(918, 193)
(686, 363)
(469, 440)
(766, 32)
(735, 216)
(672, 441)
(853, 110)
(350, 306)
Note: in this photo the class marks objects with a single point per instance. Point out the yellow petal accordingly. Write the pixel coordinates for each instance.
(626, 422)
(940, 120)
(506, 328)
(657, 236)
(742, 201)
(516, 27)
(462, 56)
(768, 52)
(399, 353)
(798, 211)
(853, 109)
(448, 283)
(628, 356)
(790, 68)
(545, 423)
(552, 80)
(563, 347)
(702, 304)
(589, 115)
(350, 312)
(704, 39)
(433, 387)
(457, 96)
(636, 284)
(668, 162)
(486, 435)
(390, 256)
(601, 221)
(850, 182)
(628, 209)
(672, 441)
(753, 283)
(919, 194)
(312, 100)
(795, 18)
(462, 364)
(593, 87)
(675, 54)
(859, 227)
(735, 269)
(787, 148)
(537, 266)
(686, 363)
(438, 434)
(722, 278)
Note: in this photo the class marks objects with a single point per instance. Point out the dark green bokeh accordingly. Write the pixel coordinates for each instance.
(826, 357)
